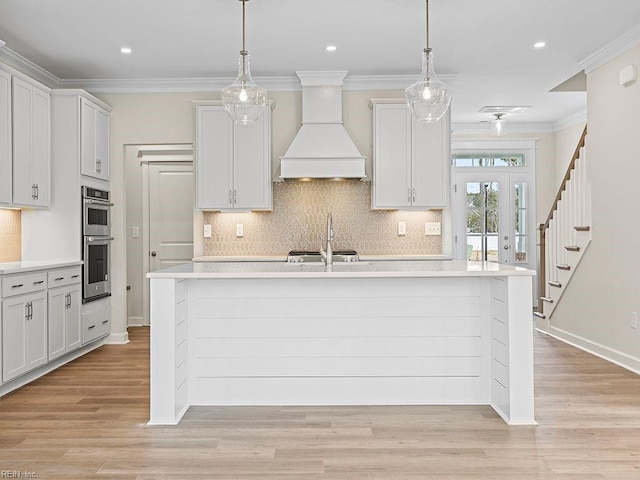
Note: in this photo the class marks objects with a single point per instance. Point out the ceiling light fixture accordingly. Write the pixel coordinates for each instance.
(539, 45)
(126, 50)
(331, 48)
(499, 128)
(243, 99)
(428, 98)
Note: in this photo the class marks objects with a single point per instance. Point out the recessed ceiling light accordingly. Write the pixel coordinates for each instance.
(126, 50)
(331, 48)
(539, 45)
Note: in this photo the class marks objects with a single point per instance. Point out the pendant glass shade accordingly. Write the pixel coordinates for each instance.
(428, 98)
(243, 99)
(499, 128)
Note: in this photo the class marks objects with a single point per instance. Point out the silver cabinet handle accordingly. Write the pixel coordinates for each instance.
(59, 278)
(414, 194)
(40, 282)
(408, 194)
(75, 276)
(92, 326)
(17, 286)
(235, 196)
(105, 321)
(230, 198)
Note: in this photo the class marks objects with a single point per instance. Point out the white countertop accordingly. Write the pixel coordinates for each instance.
(23, 267)
(283, 258)
(363, 269)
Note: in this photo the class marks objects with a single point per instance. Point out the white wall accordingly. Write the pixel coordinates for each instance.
(596, 306)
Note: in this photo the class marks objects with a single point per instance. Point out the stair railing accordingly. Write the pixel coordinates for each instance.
(544, 227)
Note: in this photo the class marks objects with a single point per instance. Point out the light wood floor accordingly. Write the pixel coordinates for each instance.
(87, 421)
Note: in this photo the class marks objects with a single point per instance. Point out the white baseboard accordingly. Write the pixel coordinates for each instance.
(117, 339)
(621, 359)
(135, 321)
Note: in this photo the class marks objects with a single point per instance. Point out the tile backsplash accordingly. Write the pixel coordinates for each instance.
(10, 235)
(299, 219)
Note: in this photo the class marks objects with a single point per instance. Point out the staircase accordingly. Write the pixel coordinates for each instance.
(565, 235)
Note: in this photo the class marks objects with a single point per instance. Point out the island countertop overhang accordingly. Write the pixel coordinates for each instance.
(368, 269)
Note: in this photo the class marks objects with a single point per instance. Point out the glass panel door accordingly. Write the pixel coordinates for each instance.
(482, 201)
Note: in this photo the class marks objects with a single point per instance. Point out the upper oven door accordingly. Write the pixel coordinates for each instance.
(96, 216)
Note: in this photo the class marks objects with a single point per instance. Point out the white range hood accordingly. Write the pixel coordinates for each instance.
(322, 147)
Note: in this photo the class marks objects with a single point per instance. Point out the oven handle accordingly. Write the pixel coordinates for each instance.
(98, 202)
(98, 239)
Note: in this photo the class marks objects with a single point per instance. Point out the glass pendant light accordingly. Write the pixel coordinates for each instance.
(428, 98)
(243, 99)
(499, 127)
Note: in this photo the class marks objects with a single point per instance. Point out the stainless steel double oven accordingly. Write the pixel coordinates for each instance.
(96, 235)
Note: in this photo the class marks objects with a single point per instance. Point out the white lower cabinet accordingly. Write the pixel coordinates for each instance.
(24, 334)
(43, 318)
(65, 333)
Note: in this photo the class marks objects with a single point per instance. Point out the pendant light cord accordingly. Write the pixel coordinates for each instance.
(427, 49)
(244, 50)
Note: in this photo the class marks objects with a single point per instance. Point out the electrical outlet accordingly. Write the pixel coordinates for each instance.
(207, 231)
(634, 320)
(402, 229)
(433, 228)
(239, 230)
(135, 232)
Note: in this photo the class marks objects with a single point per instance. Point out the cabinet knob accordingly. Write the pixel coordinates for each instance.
(153, 254)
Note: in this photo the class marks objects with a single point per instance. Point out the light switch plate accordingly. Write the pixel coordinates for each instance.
(239, 230)
(433, 228)
(135, 232)
(207, 231)
(402, 229)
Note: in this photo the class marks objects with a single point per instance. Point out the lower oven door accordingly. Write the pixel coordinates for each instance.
(97, 257)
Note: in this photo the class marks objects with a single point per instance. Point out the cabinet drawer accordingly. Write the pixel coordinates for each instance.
(64, 276)
(96, 321)
(25, 283)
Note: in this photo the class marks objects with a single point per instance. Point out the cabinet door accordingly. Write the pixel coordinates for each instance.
(88, 164)
(6, 171)
(73, 326)
(31, 144)
(252, 164)
(214, 154)
(14, 337)
(37, 332)
(57, 319)
(23, 187)
(392, 157)
(41, 151)
(431, 163)
(102, 143)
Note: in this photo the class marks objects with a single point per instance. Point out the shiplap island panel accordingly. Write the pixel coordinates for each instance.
(370, 333)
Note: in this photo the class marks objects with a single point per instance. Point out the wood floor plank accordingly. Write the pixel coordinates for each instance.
(87, 420)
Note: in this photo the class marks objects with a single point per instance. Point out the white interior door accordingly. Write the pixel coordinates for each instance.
(170, 218)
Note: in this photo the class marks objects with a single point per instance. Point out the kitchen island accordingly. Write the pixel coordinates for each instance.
(367, 333)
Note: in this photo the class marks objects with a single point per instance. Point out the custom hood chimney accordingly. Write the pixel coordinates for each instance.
(322, 147)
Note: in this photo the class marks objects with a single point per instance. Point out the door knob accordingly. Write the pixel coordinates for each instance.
(506, 247)
(153, 254)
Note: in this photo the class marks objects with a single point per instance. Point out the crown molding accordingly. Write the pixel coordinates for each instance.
(493, 143)
(27, 67)
(570, 120)
(629, 39)
(386, 82)
(512, 128)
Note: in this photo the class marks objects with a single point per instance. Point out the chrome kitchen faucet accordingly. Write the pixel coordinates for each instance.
(327, 255)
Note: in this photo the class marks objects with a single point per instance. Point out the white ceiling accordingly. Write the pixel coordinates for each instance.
(486, 44)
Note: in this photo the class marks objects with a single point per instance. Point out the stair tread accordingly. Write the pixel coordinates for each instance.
(539, 315)
(554, 284)
(563, 267)
(546, 299)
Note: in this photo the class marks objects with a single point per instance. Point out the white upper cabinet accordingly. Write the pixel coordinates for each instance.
(94, 140)
(6, 170)
(233, 161)
(410, 159)
(31, 143)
